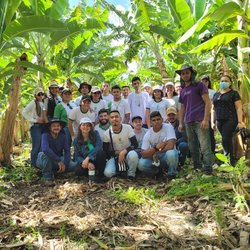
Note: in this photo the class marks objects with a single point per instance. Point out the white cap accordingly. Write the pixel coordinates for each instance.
(169, 84)
(95, 89)
(147, 84)
(85, 120)
(158, 87)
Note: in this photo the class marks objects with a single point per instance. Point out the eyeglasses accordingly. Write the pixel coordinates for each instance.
(40, 94)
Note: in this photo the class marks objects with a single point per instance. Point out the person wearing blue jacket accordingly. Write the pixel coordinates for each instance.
(55, 152)
(88, 150)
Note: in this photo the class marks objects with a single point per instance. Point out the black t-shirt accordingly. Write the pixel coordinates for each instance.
(224, 105)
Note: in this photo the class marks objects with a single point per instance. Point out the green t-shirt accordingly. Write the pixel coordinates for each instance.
(60, 113)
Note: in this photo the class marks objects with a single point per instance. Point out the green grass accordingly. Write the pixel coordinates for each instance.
(197, 186)
(136, 196)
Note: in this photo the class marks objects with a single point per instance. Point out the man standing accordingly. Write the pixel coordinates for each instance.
(120, 104)
(55, 154)
(138, 100)
(158, 145)
(84, 89)
(119, 142)
(125, 92)
(104, 123)
(195, 107)
(181, 143)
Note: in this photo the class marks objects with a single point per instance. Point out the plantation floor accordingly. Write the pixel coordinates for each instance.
(116, 215)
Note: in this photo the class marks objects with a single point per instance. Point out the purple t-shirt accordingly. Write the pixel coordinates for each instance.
(191, 98)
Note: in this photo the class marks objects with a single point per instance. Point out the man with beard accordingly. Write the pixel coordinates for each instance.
(55, 154)
(181, 143)
(119, 144)
(195, 107)
(104, 123)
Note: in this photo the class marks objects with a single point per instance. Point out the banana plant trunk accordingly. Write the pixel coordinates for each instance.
(8, 126)
(243, 59)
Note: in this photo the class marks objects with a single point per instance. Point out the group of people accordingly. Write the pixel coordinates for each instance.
(121, 132)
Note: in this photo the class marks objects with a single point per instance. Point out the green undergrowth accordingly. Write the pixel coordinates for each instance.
(198, 186)
(10, 175)
(135, 195)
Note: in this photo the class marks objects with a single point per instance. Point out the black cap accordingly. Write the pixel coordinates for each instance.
(136, 117)
(84, 98)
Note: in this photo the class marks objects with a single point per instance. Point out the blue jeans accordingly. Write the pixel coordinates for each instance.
(182, 147)
(50, 167)
(132, 160)
(200, 146)
(36, 136)
(168, 160)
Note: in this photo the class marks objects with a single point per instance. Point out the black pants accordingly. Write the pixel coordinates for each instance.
(226, 128)
(99, 163)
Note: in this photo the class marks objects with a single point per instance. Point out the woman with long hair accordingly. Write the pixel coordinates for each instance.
(158, 103)
(227, 112)
(88, 150)
(171, 96)
(34, 113)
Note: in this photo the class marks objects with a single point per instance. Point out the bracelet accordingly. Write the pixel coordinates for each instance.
(155, 148)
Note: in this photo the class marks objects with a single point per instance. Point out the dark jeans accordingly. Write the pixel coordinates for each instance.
(99, 163)
(36, 135)
(212, 139)
(226, 128)
(182, 147)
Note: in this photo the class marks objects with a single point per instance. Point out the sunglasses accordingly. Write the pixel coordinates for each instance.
(40, 94)
(96, 93)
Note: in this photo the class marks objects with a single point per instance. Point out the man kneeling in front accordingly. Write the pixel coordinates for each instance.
(158, 148)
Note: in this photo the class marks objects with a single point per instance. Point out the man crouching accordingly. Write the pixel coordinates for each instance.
(55, 154)
(119, 143)
(158, 148)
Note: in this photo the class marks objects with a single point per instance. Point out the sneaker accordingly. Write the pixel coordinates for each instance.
(49, 183)
(171, 177)
(131, 178)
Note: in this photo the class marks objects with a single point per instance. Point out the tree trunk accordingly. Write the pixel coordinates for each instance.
(161, 65)
(7, 136)
(242, 79)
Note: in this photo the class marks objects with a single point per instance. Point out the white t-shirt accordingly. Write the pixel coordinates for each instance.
(96, 106)
(152, 138)
(173, 102)
(108, 98)
(100, 130)
(211, 93)
(140, 136)
(121, 140)
(138, 104)
(159, 106)
(122, 106)
(76, 115)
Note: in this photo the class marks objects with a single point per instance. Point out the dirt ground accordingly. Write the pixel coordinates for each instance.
(76, 214)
